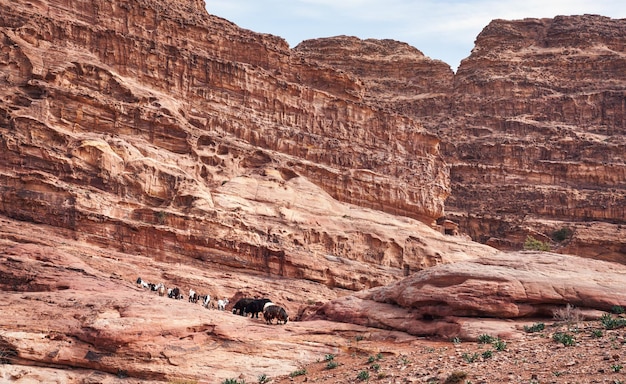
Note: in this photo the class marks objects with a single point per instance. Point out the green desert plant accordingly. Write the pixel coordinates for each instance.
(561, 234)
(363, 375)
(485, 339)
(470, 358)
(537, 327)
(499, 344)
(298, 372)
(233, 381)
(532, 244)
(610, 322)
(564, 338)
(332, 364)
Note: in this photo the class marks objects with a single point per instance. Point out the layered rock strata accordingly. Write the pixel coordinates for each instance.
(446, 299)
(153, 127)
(532, 125)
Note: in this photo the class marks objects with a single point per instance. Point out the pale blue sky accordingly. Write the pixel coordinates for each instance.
(442, 29)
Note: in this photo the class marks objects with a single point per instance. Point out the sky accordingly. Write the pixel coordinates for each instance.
(441, 29)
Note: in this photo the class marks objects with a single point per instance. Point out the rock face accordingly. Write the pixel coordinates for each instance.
(532, 125)
(148, 138)
(153, 127)
(72, 313)
(446, 299)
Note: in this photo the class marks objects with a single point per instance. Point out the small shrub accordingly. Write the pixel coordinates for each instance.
(376, 367)
(363, 375)
(487, 354)
(299, 372)
(263, 379)
(404, 360)
(233, 381)
(456, 340)
(499, 344)
(564, 338)
(616, 367)
(332, 364)
(455, 377)
(596, 333)
(617, 309)
(470, 358)
(371, 359)
(329, 357)
(561, 234)
(485, 339)
(569, 314)
(379, 356)
(532, 244)
(537, 327)
(609, 322)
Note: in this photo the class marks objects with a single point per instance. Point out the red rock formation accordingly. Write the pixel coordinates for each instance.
(540, 134)
(151, 126)
(532, 125)
(446, 299)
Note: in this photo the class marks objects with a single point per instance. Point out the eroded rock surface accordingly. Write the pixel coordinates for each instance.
(532, 125)
(463, 298)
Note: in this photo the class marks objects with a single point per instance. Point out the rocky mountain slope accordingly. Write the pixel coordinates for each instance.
(151, 139)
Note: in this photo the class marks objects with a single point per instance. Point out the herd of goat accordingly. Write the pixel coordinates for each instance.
(243, 307)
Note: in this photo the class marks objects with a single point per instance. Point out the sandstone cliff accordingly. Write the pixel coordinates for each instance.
(532, 125)
(148, 138)
(153, 127)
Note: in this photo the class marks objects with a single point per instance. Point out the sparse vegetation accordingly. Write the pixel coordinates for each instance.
(616, 368)
(332, 364)
(376, 367)
(537, 327)
(161, 216)
(363, 375)
(329, 357)
(562, 234)
(610, 322)
(263, 379)
(487, 354)
(596, 333)
(456, 340)
(564, 338)
(485, 339)
(470, 358)
(233, 381)
(532, 244)
(568, 314)
(617, 309)
(299, 372)
(499, 344)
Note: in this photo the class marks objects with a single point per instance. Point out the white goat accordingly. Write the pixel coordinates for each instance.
(221, 304)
